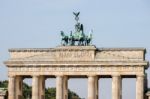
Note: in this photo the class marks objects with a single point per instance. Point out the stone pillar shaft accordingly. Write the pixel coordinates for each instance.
(96, 87)
(41, 87)
(116, 87)
(35, 87)
(91, 87)
(11, 87)
(65, 87)
(140, 87)
(19, 87)
(59, 87)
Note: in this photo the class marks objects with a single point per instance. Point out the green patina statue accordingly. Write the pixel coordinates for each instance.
(78, 37)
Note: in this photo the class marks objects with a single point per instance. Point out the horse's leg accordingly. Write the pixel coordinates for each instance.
(82, 42)
(85, 42)
(79, 42)
(88, 42)
(70, 41)
(66, 42)
(62, 42)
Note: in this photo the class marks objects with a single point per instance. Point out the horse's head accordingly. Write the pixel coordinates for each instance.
(90, 34)
(61, 33)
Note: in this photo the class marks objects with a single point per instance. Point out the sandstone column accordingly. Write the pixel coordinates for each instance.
(35, 87)
(19, 87)
(65, 87)
(116, 87)
(59, 87)
(41, 87)
(91, 87)
(96, 87)
(11, 88)
(140, 87)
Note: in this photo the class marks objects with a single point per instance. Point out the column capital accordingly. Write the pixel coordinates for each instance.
(140, 75)
(91, 75)
(116, 75)
(18, 76)
(59, 75)
(66, 77)
(35, 75)
(11, 76)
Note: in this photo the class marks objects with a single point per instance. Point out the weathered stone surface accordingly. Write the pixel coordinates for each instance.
(63, 62)
(78, 53)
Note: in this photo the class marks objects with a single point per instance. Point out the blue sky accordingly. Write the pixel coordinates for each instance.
(37, 24)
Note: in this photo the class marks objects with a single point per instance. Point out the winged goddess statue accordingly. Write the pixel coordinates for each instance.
(76, 16)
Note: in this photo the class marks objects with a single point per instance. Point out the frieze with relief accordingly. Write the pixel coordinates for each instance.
(77, 69)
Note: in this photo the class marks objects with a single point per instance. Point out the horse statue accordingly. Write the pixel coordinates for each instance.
(78, 37)
(64, 38)
(88, 39)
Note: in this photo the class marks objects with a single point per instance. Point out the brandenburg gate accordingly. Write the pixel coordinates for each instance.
(71, 60)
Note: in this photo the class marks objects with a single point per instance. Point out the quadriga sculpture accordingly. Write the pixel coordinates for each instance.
(78, 37)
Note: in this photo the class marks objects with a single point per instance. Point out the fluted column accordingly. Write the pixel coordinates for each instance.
(11, 88)
(116, 87)
(140, 87)
(59, 87)
(96, 87)
(91, 87)
(18, 85)
(65, 87)
(35, 87)
(41, 87)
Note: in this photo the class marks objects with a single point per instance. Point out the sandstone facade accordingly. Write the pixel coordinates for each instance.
(64, 62)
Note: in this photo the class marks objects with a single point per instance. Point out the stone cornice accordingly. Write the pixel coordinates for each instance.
(31, 49)
(76, 63)
(73, 48)
(66, 48)
(122, 49)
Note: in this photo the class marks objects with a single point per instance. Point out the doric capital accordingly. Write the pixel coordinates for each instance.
(59, 75)
(91, 75)
(35, 75)
(140, 75)
(11, 76)
(116, 75)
